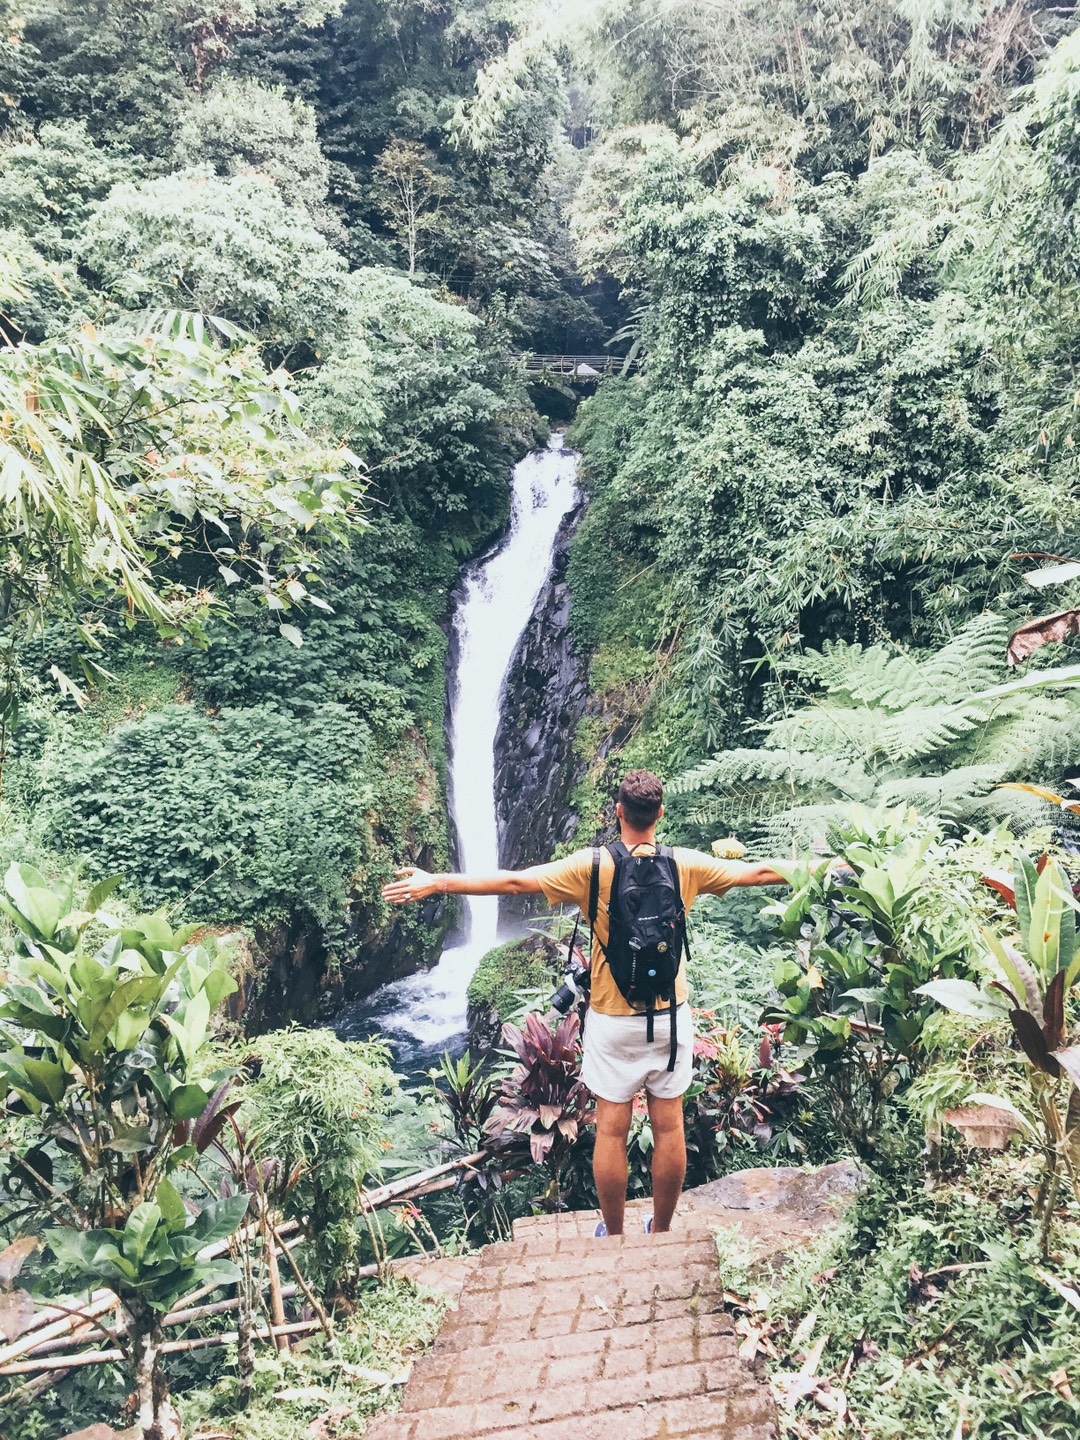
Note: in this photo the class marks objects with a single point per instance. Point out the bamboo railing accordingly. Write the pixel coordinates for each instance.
(53, 1343)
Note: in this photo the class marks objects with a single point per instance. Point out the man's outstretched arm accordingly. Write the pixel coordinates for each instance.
(764, 872)
(415, 884)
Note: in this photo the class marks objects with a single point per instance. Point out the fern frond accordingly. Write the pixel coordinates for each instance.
(973, 660)
(796, 829)
(824, 728)
(786, 773)
(1022, 812)
(953, 796)
(858, 675)
(1042, 737)
(885, 676)
(924, 730)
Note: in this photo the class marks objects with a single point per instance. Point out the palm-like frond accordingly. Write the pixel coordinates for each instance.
(892, 724)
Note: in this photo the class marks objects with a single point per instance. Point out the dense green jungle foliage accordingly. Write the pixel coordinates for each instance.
(856, 406)
(267, 272)
(306, 176)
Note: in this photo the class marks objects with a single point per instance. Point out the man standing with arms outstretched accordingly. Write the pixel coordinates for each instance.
(624, 1052)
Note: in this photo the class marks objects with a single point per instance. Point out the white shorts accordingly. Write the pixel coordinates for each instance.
(618, 1060)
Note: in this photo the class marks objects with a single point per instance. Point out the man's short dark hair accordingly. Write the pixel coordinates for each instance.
(641, 795)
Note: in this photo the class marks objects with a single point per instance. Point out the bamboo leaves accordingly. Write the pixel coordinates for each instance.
(117, 451)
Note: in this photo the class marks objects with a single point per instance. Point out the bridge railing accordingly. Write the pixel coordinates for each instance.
(579, 367)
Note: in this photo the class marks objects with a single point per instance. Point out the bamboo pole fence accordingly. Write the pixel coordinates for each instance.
(53, 1341)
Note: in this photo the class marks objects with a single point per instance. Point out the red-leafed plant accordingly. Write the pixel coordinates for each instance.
(740, 1093)
(543, 1097)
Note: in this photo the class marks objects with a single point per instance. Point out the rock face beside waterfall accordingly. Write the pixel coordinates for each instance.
(545, 696)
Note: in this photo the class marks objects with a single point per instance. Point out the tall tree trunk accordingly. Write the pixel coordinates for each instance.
(157, 1416)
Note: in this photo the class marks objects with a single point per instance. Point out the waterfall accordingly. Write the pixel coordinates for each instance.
(425, 1013)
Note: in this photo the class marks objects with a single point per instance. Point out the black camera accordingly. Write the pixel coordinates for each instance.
(574, 986)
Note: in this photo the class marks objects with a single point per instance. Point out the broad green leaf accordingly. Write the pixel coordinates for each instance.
(222, 1272)
(45, 970)
(18, 879)
(130, 1027)
(42, 909)
(219, 1218)
(1047, 916)
(217, 985)
(47, 1079)
(187, 1102)
(867, 994)
(1007, 962)
(965, 998)
(101, 892)
(292, 634)
(135, 990)
(196, 1019)
(139, 1227)
(173, 1210)
(877, 885)
(1025, 881)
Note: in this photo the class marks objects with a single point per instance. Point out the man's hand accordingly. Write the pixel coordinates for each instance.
(411, 884)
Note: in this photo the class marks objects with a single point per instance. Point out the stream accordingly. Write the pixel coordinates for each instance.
(424, 1014)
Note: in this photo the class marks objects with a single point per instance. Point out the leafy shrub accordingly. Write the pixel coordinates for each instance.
(224, 246)
(1034, 985)
(268, 818)
(867, 941)
(320, 1106)
(381, 651)
(741, 1095)
(106, 1047)
(503, 973)
(924, 1312)
(543, 1098)
(891, 726)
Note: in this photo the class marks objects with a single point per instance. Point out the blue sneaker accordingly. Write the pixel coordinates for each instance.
(600, 1232)
(648, 1226)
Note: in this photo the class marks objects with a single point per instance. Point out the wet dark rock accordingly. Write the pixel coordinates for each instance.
(299, 980)
(546, 691)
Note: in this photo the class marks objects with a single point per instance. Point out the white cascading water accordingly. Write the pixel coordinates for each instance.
(425, 1012)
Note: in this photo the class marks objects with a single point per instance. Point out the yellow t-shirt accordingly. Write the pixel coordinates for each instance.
(566, 882)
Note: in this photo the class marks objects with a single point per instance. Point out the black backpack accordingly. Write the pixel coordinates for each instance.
(647, 928)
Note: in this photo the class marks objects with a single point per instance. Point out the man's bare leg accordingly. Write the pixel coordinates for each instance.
(609, 1160)
(669, 1158)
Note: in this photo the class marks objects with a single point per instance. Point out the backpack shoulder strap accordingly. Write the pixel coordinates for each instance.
(669, 855)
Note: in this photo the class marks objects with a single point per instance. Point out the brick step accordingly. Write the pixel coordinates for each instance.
(688, 1399)
(576, 1242)
(499, 1371)
(468, 1332)
(583, 1222)
(570, 1263)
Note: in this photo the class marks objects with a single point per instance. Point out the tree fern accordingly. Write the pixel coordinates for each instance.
(971, 662)
(790, 771)
(924, 731)
(955, 795)
(895, 725)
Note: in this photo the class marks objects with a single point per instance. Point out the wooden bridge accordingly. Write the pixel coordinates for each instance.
(582, 368)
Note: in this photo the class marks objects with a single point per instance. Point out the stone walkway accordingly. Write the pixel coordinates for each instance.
(558, 1336)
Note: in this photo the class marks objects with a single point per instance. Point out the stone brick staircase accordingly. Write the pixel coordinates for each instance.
(559, 1336)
